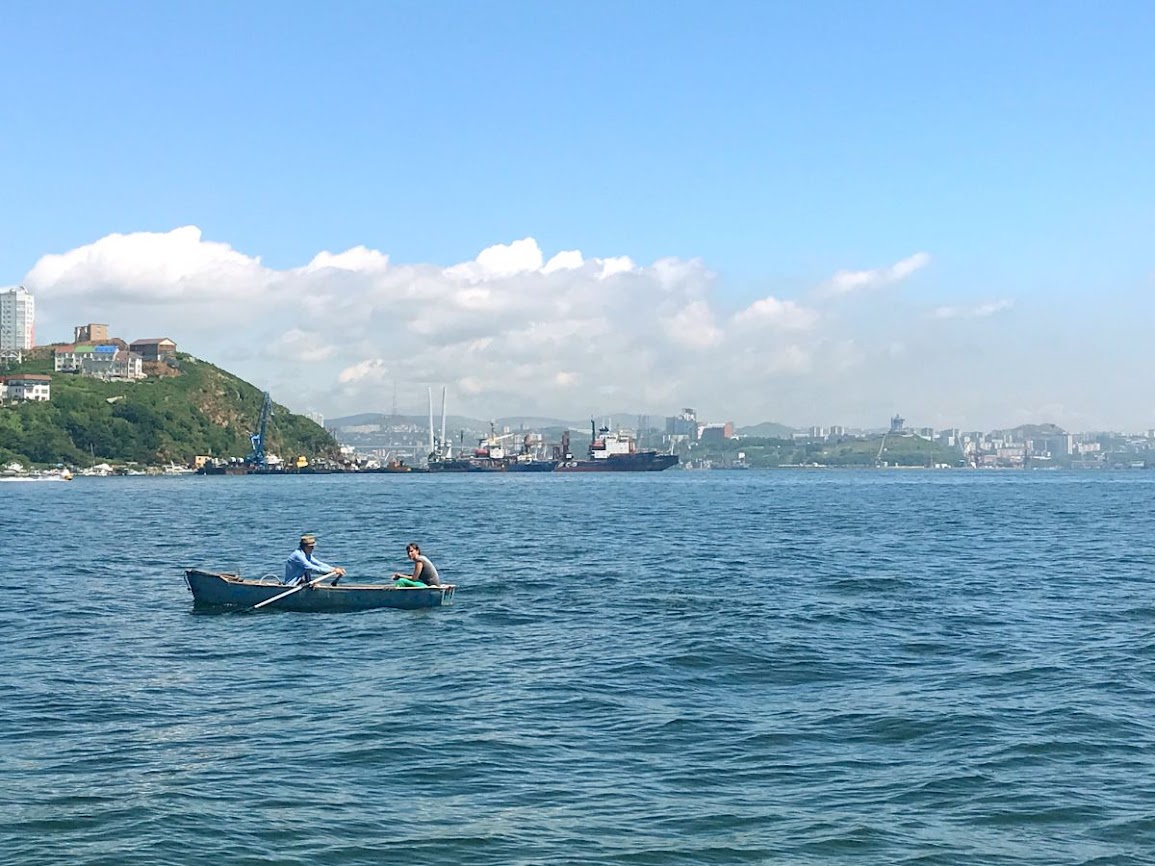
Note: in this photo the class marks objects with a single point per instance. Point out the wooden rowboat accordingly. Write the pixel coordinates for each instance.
(218, 589)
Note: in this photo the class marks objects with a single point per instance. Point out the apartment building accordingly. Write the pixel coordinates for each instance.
(17, 318)
(102, 362)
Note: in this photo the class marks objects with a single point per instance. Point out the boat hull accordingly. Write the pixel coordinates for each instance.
(216, 589)
(642, 462)
(487, 464)
(532, 466)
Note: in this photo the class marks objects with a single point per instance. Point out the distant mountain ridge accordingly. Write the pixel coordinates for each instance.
(364, 419)
(513, 422)
(766, 429)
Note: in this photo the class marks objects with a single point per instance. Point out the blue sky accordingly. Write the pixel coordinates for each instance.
(779, 144)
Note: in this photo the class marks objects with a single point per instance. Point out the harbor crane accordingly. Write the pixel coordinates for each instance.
(257, 455)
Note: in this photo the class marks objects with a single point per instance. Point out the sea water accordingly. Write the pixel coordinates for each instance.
(811, 667)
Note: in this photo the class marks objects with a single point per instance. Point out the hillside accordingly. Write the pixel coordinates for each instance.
(767, 430)
(201, 410)
(868, 451)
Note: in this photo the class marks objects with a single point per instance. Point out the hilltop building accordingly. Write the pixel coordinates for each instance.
(17, 319)
(91, 333)
(154, 348)
(107, 361)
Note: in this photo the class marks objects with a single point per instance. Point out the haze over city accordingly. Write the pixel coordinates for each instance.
(815, 215)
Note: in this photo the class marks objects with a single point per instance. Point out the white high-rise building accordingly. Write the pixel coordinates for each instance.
(17, 317)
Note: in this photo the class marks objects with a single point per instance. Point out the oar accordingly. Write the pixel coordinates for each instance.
(296, 588)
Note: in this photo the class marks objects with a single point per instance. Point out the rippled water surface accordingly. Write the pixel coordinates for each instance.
(742, 667)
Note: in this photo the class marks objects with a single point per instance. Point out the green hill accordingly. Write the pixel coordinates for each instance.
(767, 430)
(194, 408)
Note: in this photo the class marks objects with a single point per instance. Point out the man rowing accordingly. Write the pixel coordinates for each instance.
(302, 565)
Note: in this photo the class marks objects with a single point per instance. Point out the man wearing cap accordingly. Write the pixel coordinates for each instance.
(302, 565)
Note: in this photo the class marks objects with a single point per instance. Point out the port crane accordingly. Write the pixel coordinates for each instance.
(257, 455)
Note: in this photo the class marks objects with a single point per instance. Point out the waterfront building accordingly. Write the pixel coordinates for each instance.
(17, 319)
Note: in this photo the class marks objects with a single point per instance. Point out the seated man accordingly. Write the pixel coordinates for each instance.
(303, 566)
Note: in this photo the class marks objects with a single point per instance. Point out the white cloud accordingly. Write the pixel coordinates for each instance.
(617, 265)
(299, 345)
(511, 331)
(567, 260)
(978, 311)
(774, 313)
(693, 326)
(152, 267)
(371, 369)
(847, 282)
(500, 260)
(355, 259)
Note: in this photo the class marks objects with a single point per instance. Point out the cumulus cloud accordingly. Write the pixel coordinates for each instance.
(848, 282)
(500, 260)
(693, 326)
(298, 345)
(566, 260)
(978, 311)
(150, 267)
(372, 369)
(776, 313)
(512, 330)
(356, 259)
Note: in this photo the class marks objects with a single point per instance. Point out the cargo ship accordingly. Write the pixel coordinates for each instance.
(614, 452)
(491, 455)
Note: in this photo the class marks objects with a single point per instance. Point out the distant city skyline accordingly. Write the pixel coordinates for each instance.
(807, 215)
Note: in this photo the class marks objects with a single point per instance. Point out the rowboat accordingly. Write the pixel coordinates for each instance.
(220, 589)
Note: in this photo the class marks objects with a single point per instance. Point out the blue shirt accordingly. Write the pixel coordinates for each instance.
(300, 564)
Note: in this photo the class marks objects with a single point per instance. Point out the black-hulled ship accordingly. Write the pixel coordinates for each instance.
(614, 452)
